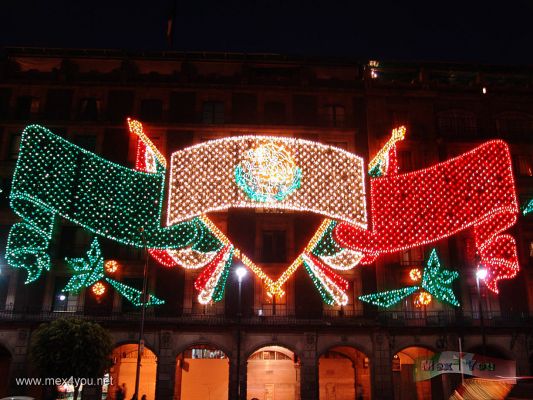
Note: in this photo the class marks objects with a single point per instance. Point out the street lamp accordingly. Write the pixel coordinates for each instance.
(241, 273)
(144, 297)
(481, 274)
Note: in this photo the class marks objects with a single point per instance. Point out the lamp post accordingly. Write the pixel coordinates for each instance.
(481, 274)
(241, 273)
(140, 346)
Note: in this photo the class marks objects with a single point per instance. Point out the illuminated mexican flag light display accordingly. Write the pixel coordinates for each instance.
(55, 179)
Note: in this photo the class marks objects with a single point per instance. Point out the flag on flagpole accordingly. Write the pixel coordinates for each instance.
(170, 22)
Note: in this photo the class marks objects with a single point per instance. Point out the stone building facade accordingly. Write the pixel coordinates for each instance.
(187, 98)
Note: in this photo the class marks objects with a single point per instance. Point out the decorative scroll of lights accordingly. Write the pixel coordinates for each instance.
(270, 172)
(55, 178)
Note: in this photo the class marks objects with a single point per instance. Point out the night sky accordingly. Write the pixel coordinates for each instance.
(485, 32)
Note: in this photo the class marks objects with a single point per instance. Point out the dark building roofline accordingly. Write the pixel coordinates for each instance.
(176, 55)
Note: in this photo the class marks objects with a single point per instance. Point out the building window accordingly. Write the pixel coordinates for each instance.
(275, 113)
(523, 165)
(274, 246)
(457, 123)
(14, 146)
(334, 115)
(516, 125)
(151, 110)
(269, 355)
(89, 109)
(26, 107)
(205, 352)
(272, 305)
(531, 249)
(213, 112)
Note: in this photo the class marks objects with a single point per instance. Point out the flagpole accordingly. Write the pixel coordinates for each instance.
(140, 346)
(461, 361)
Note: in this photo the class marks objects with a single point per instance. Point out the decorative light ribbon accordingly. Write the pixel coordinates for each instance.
(271, 172)
(55, 178)
(475, 190)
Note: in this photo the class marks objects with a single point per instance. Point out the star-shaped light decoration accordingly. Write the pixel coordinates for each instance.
(87, 270)
(90, 270)
(436, 281)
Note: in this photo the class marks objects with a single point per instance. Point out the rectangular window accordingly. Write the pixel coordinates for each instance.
(90, 109)
(274, 249)
(182, 107)
(244, 108)
(334, 115)
(151, 110)
(58, 104)
(213, 112)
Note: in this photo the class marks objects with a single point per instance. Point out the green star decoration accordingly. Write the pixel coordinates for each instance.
(90, 269)
(438, 281)
(87, 270)
(435, 280)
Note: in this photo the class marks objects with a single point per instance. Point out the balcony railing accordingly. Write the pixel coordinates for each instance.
(444, 318)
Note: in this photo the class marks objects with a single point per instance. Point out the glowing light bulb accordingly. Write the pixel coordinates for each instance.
(481, 273)
(241, 273)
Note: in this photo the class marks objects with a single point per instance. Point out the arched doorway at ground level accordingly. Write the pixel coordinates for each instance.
(344, 374)
(124, 369)
(406, 387)
(202, 373)
(273, 373)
